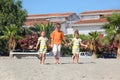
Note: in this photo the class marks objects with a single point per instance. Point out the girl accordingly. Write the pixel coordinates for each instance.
(43, 46)
(76, 41)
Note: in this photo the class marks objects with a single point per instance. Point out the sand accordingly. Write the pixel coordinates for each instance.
(87, 69)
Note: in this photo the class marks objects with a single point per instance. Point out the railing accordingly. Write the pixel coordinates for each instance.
(19, 54)
(27, 53)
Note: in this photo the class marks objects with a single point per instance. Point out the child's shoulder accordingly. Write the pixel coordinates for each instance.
(54, 31)
(62, 32)
(46, 38)
(39, 38)
(80, 39)
(77, 39)
(73, 39)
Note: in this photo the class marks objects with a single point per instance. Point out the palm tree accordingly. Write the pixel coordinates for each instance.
(10, 34)
(48, 28)
(113, 30)
(94, 36)
(84, 37)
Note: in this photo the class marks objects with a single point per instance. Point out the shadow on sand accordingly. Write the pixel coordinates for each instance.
(71, 63)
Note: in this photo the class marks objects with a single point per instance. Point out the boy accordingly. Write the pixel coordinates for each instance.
(56, 40)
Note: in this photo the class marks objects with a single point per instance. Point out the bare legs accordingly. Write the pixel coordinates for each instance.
(42, 58)
(56, 60)
(118, 56)
(75, 56)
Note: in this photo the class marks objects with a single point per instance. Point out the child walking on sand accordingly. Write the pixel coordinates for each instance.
(76, 41)
(56, 39)
(43, 47)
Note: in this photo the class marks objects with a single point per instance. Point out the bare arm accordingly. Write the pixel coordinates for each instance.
(83, 44)
(70, 43)
(38, 42)
(48, 43)
(65, 40)
(51, 43)
(51, 36)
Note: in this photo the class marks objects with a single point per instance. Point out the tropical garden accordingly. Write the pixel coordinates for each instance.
(15, 37)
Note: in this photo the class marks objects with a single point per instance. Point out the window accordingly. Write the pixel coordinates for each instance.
(89, 17)
(57, 18)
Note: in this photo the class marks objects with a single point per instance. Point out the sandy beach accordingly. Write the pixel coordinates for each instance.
(87, 69)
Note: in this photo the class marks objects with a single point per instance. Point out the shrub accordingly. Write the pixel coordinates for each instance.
(29, 42)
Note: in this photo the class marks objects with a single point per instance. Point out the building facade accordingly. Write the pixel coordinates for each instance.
(92, 21)
(63, 18)
(85, 22)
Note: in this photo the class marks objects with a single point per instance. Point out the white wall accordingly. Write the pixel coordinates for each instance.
(70, 30)
(64, 27)
(57, 19)
(88, 29)
(89, 17)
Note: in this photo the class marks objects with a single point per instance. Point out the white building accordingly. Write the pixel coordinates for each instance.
(86, 22)
(63, 18)
(92, 21)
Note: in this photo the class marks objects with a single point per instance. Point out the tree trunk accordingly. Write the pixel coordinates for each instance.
(118, 51)
(94, 56)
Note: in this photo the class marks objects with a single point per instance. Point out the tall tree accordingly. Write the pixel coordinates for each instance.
(113, 30)
(10, 34)
(11, 13)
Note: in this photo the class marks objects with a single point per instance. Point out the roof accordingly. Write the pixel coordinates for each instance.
(58, 22)
(102, 20)
(35, 22)
(53, 15)
(32, 23)
(99, 11)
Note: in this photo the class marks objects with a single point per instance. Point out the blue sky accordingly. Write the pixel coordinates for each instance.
(77, 6)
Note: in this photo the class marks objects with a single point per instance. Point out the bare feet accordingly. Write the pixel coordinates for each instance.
(56, 62)
(42, 62)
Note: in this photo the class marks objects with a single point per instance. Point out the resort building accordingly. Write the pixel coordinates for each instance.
(92, 21)
(85, 22)
(65, 19)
